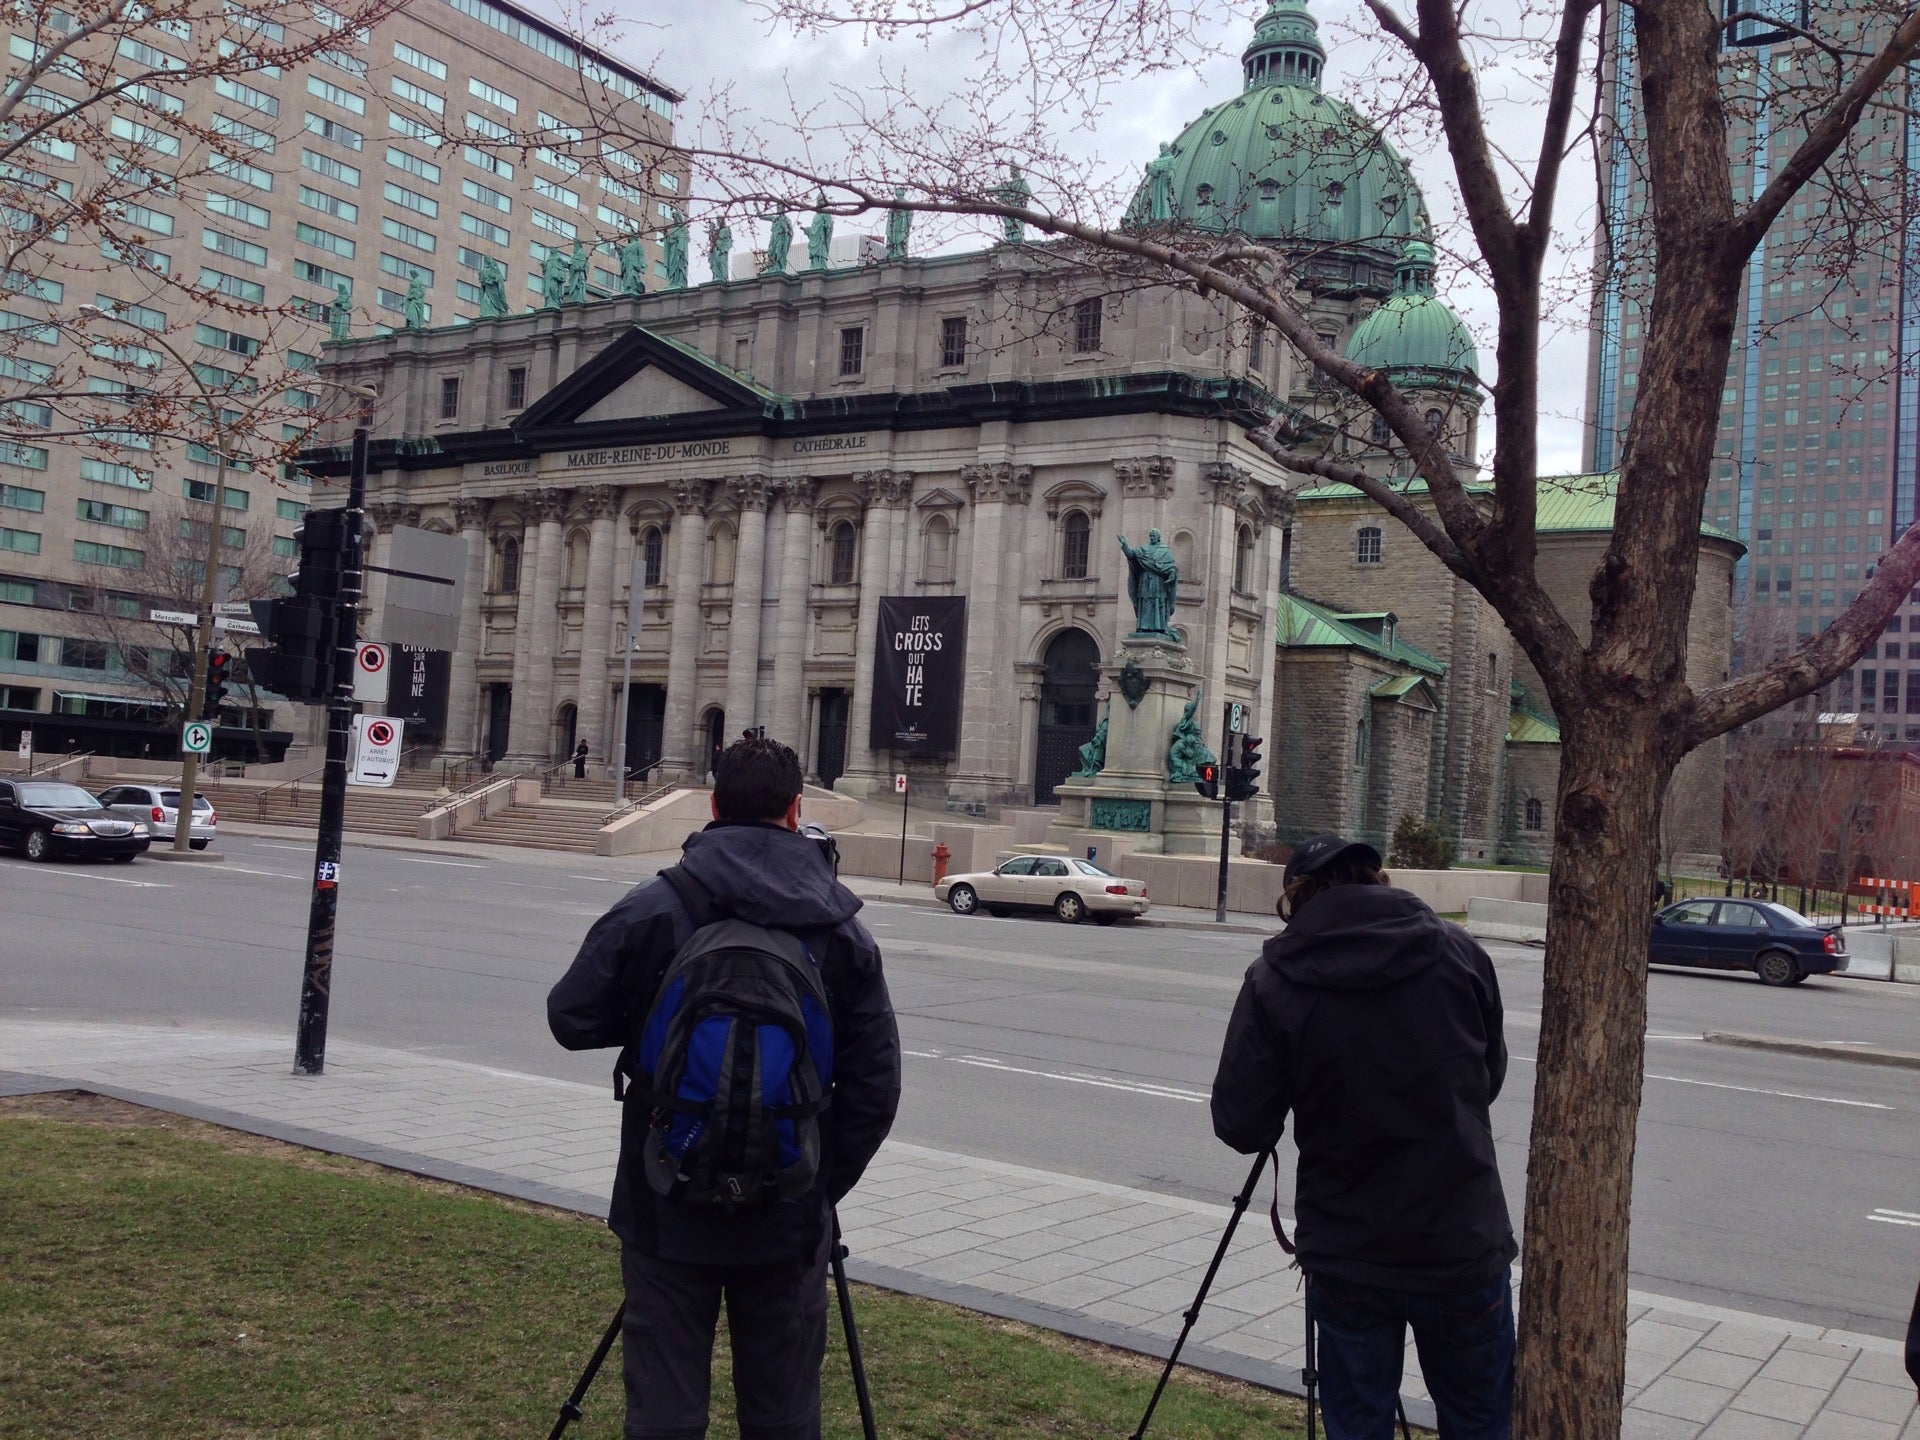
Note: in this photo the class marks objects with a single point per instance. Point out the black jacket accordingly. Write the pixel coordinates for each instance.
(771, 876)
(1913, 1342)
(1378, 1025)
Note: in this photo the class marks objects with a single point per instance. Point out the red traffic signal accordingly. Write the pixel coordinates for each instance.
(1209, 782)
(219, 676)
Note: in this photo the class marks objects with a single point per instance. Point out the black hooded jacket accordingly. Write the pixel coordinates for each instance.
(1378, 1025)
(769, 875)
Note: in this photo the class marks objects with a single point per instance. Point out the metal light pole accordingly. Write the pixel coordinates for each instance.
(316, 981)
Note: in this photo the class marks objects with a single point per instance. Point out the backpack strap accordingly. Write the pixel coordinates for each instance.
(698, 901)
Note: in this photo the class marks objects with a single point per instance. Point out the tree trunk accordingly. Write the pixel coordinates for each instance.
(1614, 769)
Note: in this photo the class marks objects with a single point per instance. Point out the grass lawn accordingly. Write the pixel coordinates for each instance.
(160, 1277)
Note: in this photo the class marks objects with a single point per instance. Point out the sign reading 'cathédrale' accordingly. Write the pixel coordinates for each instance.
(919, 660)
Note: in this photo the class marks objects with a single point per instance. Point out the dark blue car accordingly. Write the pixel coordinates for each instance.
(1778, 944)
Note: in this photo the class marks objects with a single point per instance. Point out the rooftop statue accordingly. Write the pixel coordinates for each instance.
(719, 247)
(819, 237)
(340, 314)
(493, 289)
(633, 267)
(1187, 752)
(416, 302)
(676, 246)
(1013, 191)
(577, 274)
(899, 226)
(553, 281)
(1153, 584)
(1160, 186)
(779, 242)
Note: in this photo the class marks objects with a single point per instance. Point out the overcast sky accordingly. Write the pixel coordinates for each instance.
(700, 46)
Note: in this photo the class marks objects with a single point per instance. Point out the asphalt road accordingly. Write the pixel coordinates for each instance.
(1771, 1183)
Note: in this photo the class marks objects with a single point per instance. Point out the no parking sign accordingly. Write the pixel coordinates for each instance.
(376, 751)
(370, 674)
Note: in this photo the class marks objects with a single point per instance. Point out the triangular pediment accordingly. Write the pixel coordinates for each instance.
(643, 376)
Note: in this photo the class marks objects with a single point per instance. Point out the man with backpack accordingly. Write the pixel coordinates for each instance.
(760, 1065)
(1377, 1026)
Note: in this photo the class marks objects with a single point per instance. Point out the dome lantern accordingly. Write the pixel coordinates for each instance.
(1286, 48)
(1414, 337)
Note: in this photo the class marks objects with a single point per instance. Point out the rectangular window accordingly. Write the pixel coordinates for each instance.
(24, 542)
(337, 95)
(449, 397)
(554, 224)
(143, 217)
(203, 491)
(560, 129)
(396, 301)
(234, 209)
(555, 191)
(286, 547)
(228, 340)
(414, 129)
(314, 274)
(340, 60)
(233, 247)
(145, 136)
(250, 62)
(108, 472)
(1086, 326)
(329, 204)
(413, 165)
(412, 200)
(953, 341)
(557, 160)
(245, 95)
(405, 269)
(21, 497)
(485, 229)
(148, 56)
(474, 190)
(500, 99)
(87, 552)
(331, 168)
(419, 95)
(333, 130)
(853, 350)
(25, 457)
(16, 645)
(101, 512)
(419, 60)
(325, 239)
(407, 234)
(289, 509)
(516, 387)
(240, 170)
(15, 592)
(231, 536)
(492, 129)
(491, 163)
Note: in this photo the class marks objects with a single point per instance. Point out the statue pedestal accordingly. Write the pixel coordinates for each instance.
(1131, 798)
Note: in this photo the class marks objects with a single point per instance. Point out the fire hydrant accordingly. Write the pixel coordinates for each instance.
(940, 857)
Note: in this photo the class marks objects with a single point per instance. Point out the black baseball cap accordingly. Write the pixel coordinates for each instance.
(1319, 851)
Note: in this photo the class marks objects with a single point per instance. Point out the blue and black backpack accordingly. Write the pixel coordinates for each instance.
(735, 1061)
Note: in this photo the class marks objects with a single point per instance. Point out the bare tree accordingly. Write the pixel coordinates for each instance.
(1615, 668)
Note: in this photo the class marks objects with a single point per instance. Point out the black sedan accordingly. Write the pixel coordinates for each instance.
(45, 818)
(1778, 944)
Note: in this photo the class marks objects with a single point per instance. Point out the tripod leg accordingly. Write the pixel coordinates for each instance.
(854, 1361)
(570, 1408)
(1193, 1311)
(1309, 1372)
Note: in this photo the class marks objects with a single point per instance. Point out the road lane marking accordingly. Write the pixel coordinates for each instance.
(1101, 1082)
(1895, 1217)
(1749, 1089)
(269, 845)
(456, 864)
(115, 880)
(242, 870)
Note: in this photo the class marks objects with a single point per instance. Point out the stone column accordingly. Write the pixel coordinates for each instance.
(751, 493)
(596, 633)
(523, 638)
(879, 489)
(989, 748)
(532, 727)
(789, 719)
(1228, 483)
(679, 751)
(463, 688)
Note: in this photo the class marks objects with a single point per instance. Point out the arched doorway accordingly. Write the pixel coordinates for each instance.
(1066, 710)
(566, 728)
(716, 736)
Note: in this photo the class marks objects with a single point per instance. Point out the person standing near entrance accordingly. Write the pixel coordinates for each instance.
(1377, 1025)
(580, 761)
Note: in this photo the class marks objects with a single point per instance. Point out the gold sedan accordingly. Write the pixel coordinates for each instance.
(1072, 889)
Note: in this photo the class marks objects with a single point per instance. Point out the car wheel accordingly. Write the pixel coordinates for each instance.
(1798, 975)
(199, 844)
(1776, 967)
(963, 900)
(123, 859)
(39, 847)
(1070, 908)
(1105, 919)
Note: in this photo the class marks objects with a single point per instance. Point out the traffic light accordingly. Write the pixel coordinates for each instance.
(1243, 780)
(219, 676)
(298, 659)
(1209, 782)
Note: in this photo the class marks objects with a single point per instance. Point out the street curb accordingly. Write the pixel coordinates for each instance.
(1266, 1374)
(1820, 1049)
(197, 857)
(1144, 922)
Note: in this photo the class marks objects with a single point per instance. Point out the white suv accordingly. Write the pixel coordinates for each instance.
(159, 806)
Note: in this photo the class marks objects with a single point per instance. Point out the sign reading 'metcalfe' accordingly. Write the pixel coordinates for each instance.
(918, 665)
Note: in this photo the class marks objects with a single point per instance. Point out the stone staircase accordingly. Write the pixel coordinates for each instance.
(369, 812)
(547, 824)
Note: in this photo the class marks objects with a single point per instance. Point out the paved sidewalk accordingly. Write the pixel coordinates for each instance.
(1101, 1261)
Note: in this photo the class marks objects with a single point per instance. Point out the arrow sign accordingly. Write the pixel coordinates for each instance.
(376, 757)
(196, 738)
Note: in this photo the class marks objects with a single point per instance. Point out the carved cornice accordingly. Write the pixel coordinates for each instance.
(470, 512)
(750, 492)
(1144, 476)
(549, 507)
(801, 493)
(999, 483)
(884, 487)
(1225, 484)
(600, 502)
(691, 497)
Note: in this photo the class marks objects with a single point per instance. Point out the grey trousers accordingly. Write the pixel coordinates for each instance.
(776, 1322)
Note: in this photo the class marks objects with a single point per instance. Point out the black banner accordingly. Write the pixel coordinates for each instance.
(417, 683)
(918, 663)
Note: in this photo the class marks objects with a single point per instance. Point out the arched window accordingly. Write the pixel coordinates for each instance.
(1076, 540)
(1536, 814)
(840, 559)
(1380, 432)
(506, 570)
(653, 556)
(720, 550)
(1434, 421)
(1366, 545)
(1243, 559)
(936, 551)
(1183, 551)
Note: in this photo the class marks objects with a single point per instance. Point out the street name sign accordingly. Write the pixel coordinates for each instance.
(173, 617)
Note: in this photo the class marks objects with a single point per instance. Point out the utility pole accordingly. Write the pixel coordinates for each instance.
(1226, 808)
(316, 982)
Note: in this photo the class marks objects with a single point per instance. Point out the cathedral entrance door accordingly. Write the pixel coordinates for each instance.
(1067, 703)
(646, 727)
(499, 715)
(831, 756)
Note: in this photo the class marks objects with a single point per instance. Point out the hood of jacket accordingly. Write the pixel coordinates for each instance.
(768, 875)
(1357, 937)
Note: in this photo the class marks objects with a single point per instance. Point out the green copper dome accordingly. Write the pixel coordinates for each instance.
(1414, 337)
(1282, 161)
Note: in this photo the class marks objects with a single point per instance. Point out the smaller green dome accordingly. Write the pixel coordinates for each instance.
(1414, 337)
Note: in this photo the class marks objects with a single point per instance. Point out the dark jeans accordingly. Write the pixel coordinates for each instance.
(776, 1321)
(1465, 1343)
